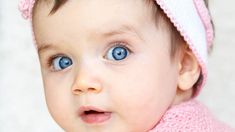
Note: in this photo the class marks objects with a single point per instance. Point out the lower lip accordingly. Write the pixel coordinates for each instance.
(96, 118)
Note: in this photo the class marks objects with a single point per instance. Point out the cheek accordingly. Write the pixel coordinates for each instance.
(58, 98)
(144, 92)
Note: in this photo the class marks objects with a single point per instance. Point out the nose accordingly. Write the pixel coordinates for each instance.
(85, 82)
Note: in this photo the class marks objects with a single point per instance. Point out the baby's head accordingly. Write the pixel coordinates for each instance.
(113, 65)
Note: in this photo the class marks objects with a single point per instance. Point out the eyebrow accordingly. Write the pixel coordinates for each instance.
(45, 46)
(122, 29)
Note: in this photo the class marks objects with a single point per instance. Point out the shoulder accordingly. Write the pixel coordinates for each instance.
(190, 116)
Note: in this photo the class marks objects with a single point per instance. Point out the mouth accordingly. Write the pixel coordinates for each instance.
(92, 115)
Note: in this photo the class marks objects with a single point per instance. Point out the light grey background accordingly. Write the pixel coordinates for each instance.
(22, 103)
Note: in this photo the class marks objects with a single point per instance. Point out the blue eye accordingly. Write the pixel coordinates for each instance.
(117, 53)
(61, 62)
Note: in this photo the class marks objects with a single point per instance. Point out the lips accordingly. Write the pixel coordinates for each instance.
(93, 115)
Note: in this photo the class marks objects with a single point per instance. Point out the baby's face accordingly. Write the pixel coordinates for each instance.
(105, 65)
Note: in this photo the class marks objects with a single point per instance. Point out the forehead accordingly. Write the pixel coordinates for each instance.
(92, 15)
(51, 6)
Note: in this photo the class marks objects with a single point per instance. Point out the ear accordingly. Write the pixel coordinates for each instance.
(189, 70)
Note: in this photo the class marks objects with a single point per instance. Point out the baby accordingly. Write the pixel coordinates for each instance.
(124, 65)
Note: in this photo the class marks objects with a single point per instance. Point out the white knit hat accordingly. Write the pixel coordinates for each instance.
(190, 17)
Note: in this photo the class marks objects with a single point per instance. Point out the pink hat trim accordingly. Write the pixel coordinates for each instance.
(205, 17)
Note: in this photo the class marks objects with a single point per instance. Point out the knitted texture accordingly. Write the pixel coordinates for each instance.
(190, 116)
(191, 18)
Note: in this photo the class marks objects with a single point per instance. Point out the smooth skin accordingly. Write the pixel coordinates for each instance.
(138, 90)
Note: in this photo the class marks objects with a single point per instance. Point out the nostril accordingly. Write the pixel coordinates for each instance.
(77, 90)
(91, 89)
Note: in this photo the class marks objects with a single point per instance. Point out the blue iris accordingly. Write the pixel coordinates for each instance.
(117, 53)
(61, 62)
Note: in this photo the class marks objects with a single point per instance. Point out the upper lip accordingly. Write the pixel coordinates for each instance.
(83, 109)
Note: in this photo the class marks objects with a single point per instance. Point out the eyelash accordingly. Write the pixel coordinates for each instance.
(120, 44)
(115, 44)
(50, 60)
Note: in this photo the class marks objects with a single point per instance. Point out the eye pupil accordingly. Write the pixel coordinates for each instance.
(119, 53)
(65, 62)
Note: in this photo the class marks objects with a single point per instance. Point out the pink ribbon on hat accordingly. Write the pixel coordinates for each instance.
(26, 7)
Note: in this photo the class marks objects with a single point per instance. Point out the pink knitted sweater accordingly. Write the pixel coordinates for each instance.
(190, 116)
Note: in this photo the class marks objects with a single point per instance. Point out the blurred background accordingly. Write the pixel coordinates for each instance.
(22, 103)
